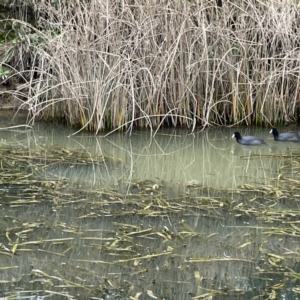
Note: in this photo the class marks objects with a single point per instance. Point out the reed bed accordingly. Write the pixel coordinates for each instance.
(123, 64)
(71, 242)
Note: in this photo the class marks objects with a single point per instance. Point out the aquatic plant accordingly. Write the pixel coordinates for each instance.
(117, 64)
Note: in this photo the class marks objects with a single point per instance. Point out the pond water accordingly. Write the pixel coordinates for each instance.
(178, 216)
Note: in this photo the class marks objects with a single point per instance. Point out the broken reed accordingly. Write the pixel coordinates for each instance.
(117, 64)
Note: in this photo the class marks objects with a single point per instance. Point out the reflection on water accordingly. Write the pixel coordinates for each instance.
(177, 216)
(211, 157)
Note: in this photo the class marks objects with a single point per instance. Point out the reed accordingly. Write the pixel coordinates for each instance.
(104, 65)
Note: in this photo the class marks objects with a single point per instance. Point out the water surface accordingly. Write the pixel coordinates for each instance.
(178, 216)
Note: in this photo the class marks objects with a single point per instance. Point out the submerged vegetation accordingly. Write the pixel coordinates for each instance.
(119, 64)
(139, 238)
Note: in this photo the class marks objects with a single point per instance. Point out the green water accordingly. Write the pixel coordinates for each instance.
(178, 216)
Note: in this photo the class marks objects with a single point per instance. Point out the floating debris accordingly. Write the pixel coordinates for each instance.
(138, 240)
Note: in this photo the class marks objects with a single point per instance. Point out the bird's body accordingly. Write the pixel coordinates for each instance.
(248, 140)
(285, 136)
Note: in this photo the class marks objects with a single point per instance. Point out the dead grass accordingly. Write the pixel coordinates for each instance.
(124, 64)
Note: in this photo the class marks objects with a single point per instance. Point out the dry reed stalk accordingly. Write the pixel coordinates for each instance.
(117, 64)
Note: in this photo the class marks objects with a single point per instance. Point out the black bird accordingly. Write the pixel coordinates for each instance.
(285, 136)
(248, 140)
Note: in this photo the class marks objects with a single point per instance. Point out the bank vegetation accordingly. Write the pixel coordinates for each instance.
(120, 64)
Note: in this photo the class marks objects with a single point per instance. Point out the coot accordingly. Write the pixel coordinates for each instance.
(248, 140)
(285, 136)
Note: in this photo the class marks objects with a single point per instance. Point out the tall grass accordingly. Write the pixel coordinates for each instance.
(115, 64)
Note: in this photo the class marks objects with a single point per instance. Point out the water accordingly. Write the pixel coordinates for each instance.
(163, 217)
(211, 158)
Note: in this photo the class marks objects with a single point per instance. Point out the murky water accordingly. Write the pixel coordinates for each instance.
(209, 157)
(162, 218)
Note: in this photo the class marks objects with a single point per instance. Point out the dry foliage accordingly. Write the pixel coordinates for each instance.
(118, 64)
